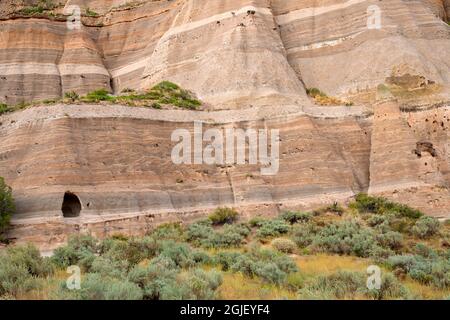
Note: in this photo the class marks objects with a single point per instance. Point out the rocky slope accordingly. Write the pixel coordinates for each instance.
(232, 53)
(251, 62)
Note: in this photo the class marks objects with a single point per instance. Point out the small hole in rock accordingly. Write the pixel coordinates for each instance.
(71, 206)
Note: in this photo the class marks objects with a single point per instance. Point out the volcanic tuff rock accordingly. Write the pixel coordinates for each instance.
(232, 53)
(251, 62)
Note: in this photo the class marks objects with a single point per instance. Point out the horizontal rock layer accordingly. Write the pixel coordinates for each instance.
(232, 53)
(250, 61)
(117, 160)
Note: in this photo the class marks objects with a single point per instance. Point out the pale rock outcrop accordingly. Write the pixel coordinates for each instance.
(251, 62)
(232, 53)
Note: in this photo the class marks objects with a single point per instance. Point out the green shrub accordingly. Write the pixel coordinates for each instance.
(98, 95)
(15, 279)
(223, 215)
(391, 288)
(132, 251)
(29, 257)
(71, 95)
(110, 268)
(229, 236)
(272, 228)
(303, 235)
(32, 10)
(169, 93)
(426, 227)
(375, 220)
(80, 250)
(391, 239)
(98, 287)
(352, 285)
(433, 270)
(198, 231)
(284, 245)
(172, 231)
(4, 108)
(314, 92)
(334, 208)
(7, 207)
(266, 264)
(154, 278)
(256, 222)
(338, 285)
(166, 86)
(160, 280)
(195, 285)
(296, 281)
(179, 253)
(202, 233)
(368, 204)
(295, 217)
(90, 13)
(346, 237)
(19, 268)
(226, 259)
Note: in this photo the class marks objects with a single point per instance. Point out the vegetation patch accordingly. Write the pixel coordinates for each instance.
(7, 206)
(368, 204)
(164, 95)
(223, 215)
(296, 255)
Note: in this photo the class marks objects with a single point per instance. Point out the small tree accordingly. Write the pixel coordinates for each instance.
(7, 207)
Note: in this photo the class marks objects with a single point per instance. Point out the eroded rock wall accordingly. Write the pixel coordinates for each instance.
(117, 160)
(232, 53)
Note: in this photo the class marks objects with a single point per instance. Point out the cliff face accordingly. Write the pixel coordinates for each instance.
(251, 62)
(232, 53)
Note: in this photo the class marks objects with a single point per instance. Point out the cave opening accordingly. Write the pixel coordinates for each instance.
(71, 206)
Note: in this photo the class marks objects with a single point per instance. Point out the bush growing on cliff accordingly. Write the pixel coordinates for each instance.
(368, 204)
(7, 207)
(72, 96)
(170, 93)
(426, 227)
(3, 108)
(39, 8)
(203, 234)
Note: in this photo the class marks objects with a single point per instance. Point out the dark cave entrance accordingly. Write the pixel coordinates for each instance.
(71, 206)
